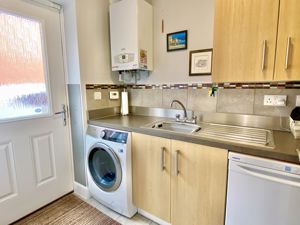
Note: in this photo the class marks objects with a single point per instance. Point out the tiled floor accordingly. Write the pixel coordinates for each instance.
(136, 220)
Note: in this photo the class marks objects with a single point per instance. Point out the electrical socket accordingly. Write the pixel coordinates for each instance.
(97, 95)
(275, 100)
(113, 95)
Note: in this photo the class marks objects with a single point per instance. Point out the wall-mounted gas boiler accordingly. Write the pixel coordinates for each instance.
(131, 35)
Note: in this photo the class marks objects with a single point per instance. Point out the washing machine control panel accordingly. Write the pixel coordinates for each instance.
(114, 136)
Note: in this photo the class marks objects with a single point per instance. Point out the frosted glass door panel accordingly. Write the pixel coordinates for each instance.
(23, 74)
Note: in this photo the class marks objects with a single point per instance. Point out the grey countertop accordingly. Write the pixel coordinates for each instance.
(285, 144)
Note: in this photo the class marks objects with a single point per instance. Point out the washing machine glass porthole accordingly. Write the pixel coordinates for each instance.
(104, 167)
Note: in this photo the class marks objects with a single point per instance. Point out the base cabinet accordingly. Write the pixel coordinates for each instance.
(179, 182)
(198, 187)
(151, 158)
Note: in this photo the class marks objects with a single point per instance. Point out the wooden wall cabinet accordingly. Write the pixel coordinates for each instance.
(287, 66)
(191, 190)
(246, 48)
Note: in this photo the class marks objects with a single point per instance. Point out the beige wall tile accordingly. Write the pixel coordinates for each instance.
(243, 101)
(105, 102)
(135, 97)
(174, 94)
(235, 101)
(145, 97)
(152, 97)
(96, 104)
(200, 101)
(260, 109)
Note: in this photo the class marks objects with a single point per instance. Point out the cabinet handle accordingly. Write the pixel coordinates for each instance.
(287, 56)
(263, 61)
(162, 159)
(177, 152)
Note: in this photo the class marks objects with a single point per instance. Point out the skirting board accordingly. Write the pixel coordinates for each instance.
(151, 217)
(81, 190)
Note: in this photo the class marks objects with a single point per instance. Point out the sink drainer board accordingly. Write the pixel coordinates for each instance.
(239, 134)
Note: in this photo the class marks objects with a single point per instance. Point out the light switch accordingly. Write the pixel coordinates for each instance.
(97, 95)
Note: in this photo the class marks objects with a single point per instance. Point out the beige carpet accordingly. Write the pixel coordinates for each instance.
(68, 210)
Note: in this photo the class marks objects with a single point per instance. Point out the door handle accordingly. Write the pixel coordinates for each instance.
(287, 56)
(263, 61)
(64, 113)
(265, 174)
(162, 159)
(177, 152)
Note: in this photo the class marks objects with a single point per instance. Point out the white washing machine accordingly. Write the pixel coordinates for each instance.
(108, 162)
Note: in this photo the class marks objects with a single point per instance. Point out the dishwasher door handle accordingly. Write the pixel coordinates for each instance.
(268, 174)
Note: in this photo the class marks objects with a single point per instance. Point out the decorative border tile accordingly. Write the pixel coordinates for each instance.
(103, 86)
(275, 85)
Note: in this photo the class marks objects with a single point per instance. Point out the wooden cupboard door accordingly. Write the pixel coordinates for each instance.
(151, 182)
(244, 40)
(287, 65)
(199, 189)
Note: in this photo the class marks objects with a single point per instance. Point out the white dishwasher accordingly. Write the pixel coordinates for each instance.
(262, 192)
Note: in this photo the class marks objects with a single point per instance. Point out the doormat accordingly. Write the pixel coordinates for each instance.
(69, 210)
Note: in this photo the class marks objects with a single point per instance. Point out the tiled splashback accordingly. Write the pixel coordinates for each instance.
(280, 85)
(230, 98)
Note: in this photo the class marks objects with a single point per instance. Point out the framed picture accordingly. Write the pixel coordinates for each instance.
(201, 62)
(177, 41)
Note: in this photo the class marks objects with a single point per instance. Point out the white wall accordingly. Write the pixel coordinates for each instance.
(93, 41)
(94, 47)
(197, 17)
(76, 92)
(71, 42)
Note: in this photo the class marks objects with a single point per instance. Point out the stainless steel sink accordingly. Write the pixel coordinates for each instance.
(219, 132)
(175, 126)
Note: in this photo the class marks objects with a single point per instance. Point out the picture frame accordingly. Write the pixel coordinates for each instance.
(200, 63)
(177, 41)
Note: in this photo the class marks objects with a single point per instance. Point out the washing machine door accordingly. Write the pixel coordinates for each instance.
(104, 167)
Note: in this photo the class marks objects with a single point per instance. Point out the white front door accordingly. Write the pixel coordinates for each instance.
(35, 154)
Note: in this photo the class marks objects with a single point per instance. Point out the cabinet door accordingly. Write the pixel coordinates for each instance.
(151, 174)
(199, 188)
(288, 45)
(244, 40)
